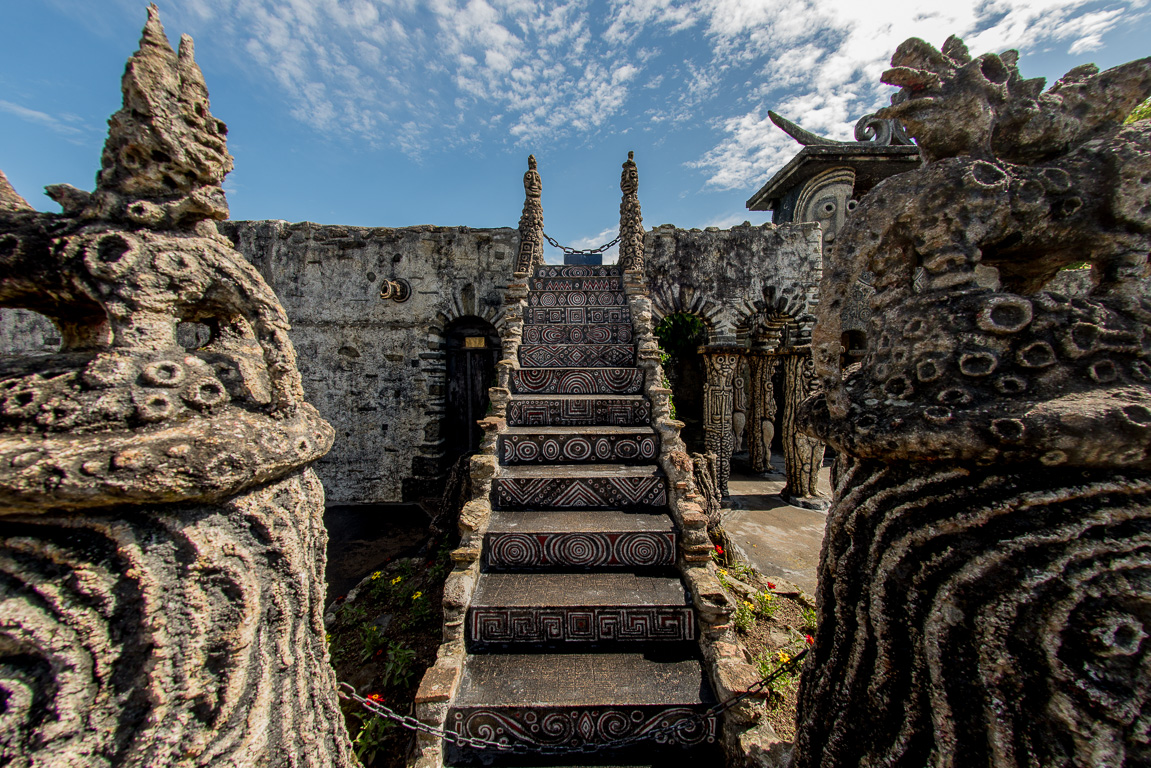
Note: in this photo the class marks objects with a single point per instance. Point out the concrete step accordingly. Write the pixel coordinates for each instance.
(576, 270)
(548, 299)
(570, 315)
(526, 539)
(543, 701)
(578, 410)
(590, 283)
(566, 445)
(578, 607)
(577, 381)
(586, 333)
(588, 486)
(576, 355)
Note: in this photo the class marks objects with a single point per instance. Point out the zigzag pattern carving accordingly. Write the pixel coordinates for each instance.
(585, 284)
(579, 492)
(576, 355)
(578, 412)
(580, 624)
(597, 381)
(576, 298)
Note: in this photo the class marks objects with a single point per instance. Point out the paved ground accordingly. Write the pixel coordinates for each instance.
(780, 540)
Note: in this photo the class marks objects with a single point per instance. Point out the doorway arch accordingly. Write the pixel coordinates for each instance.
(473, 349)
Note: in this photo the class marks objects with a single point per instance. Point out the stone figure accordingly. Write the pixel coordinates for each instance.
(738, 408)
(161, 534)
(631, 234)
(531, 253)
(985, 585)
(826, 200)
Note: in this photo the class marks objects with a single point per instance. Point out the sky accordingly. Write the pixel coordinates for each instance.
(403, 112)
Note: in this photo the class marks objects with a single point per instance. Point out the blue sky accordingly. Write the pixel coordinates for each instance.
(400, 112)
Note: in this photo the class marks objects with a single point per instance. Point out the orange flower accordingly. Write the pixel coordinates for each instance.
(376, 698)
(809, 639)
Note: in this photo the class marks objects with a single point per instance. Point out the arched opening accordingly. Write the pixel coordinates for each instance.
(473, 349)
(854, 346)
(680, 337)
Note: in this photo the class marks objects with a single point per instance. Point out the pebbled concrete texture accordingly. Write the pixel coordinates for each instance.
(781, 541)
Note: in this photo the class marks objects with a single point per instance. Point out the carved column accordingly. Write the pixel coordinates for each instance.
(762, 410)
(631, 234)
(162, 544)
(531, 254)
(802, 455)
(985, 584)
(717, 407)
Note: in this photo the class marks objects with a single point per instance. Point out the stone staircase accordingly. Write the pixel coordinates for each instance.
(580, 630)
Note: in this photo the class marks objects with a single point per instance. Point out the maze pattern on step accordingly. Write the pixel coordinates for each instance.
(577, 412)
(574, 726)
(566, 449)
(576, 355)
(577, 270)
(584, 550)
(580, 624)
(594, 381)
(577, 315)
(576, 299)
(577, 334)
(578, 284)
(579, 492)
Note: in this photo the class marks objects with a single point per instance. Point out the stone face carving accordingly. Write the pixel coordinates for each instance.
(738, 408)
(161, 537)
(826, 200)
(762, 411)
(531, 253)
(631, 234)
(986, 583)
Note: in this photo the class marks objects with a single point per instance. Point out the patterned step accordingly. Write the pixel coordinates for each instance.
(593, 486)
(577, 284)
(577, 381)
(578, 608)
(597, 315)
(565, 445)
(619, 333)
(561, 538)
(576, 355)
(578, 410)
(574, 699)
(582, 270)
(576, 299)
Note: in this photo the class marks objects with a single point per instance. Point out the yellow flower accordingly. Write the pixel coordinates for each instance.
(328, 637)
(722, 571)
(376, 575)
(749, 605)
(783, 657)
(417, 595)
(397, 580)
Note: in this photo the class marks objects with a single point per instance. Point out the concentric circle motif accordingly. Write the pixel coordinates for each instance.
(627, 449)
(576, 334)
(578, 549)
(647, 448)
(550, 449)
(514, 549)
(607, 299)
(577, 383)
(552, 335)
(577, 299)
(548, 299)
(599, 334)
(531, 335)
(526, 450)
(603, 448)
(577, 449)
(641, 549)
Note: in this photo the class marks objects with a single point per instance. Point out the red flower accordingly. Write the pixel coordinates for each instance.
(379, 651)
(340, 599)
(770, 585)
(719, 549)
(809, 639)
(376, 698)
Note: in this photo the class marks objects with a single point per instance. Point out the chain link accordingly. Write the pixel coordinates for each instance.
(347, 691)
(576, 252)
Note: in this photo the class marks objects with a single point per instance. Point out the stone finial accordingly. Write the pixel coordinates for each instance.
(531, 252)
(10, 199)
(631, 234)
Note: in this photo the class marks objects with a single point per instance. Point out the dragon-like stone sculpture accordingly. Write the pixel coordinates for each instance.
(985, 585)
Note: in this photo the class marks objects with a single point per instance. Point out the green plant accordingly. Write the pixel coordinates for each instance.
(1141, 112)
(809, 620)
(371, 641)
(398, 669)
(370, 740)
(740, 569)
(744, 615)
(765, 604)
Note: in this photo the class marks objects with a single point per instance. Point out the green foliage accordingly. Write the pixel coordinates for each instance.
(809, 621)
(744, 615)
(371, 738)
(680, 334)
(398, 667)
(765, 604)
(768, 662)
(371, 641)
(1141, 112)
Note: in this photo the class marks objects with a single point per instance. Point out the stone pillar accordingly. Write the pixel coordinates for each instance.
(720, 363)
(631, 234)
(762, 409)
(802, 454)
(531, 254)
(162, 544)
(985, 584)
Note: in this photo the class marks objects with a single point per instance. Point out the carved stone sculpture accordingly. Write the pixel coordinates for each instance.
(738, 407)
(717, 407)
(802, 454)
(761, 410)
(161, 534)
(531, 253)
(985, 586)
(631, 234)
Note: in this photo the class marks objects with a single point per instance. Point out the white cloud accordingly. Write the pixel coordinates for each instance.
(67, 125)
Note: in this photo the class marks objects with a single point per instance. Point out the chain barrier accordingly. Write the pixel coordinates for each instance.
(577, 252)
(347, 691)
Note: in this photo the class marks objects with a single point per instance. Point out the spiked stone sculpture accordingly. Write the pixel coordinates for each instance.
(161, 534)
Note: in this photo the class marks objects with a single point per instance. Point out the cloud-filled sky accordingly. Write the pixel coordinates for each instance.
(400, 112)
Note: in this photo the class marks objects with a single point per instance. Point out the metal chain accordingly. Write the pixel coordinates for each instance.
(347, 691)
(576, 252)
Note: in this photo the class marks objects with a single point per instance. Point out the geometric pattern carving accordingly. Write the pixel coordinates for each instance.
(576, 298)
(585, 550)
(579, 284)
(576, 355)
(581, 492)
(599, 448)
(574, 726)
(579, 624)
(578, 270)
(597, 381)
(577, 315)
(577, 334)
(577, 412)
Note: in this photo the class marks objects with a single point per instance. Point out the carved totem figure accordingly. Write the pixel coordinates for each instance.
(631, 234)
(161, 534)
(985, 584)
(531, 253)
(738, 407)
(717, 408)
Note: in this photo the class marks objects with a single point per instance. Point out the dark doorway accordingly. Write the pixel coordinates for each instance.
(680, 337)
(473, 350)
